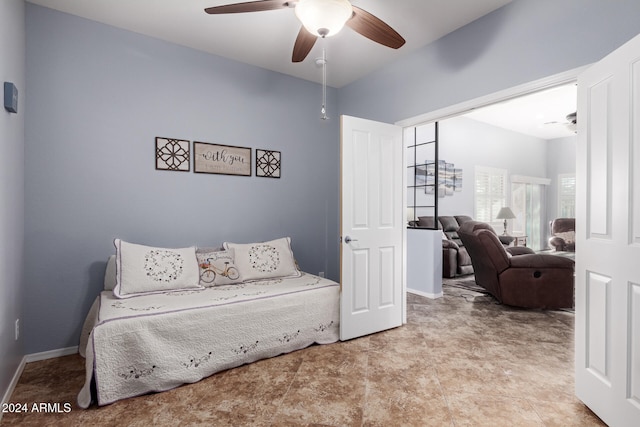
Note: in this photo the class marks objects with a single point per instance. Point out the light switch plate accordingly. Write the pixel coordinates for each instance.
(10, 97)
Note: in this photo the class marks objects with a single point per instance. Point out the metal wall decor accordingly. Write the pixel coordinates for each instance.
(268, 163)
(173, 154)
(221, 159)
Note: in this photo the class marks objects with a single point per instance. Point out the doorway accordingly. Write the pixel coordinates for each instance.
(472, 137)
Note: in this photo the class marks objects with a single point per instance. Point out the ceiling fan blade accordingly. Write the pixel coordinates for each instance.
(303, 45)
(250, 6)
(374, 28)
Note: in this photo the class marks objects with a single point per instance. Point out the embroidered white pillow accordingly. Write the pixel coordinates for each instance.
(258, 261)
(144, 269)
(217, 268)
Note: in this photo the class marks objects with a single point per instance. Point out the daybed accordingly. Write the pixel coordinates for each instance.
(140, 342)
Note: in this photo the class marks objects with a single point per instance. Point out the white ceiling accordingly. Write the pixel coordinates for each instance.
(541, 114)
(266, 39)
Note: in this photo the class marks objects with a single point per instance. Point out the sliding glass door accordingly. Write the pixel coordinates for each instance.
(528, 202)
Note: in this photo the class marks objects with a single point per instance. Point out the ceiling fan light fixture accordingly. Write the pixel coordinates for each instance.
(323, 18)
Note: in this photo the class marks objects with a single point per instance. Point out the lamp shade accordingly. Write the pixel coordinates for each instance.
(323, 18)
(505, 213)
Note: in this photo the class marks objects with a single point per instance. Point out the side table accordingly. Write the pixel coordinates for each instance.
(520, 240)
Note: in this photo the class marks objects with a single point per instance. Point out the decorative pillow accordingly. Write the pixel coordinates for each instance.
(426, 221)
(568, 236)
(257, 261)
(143, 269)
(217, 268)
(110, 274)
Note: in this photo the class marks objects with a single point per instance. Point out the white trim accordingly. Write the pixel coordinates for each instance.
(425, 294)
(13, 383)
(51, 354)
(33, 357)
(493, 98)
(404, 229)
(530, 180)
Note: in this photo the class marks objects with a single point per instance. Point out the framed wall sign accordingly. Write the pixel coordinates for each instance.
(268, 163)
(221, 159)
(172, 154)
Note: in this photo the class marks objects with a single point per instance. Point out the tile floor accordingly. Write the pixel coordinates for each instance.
(462, 360)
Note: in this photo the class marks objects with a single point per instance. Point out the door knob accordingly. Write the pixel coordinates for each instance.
(348, 239)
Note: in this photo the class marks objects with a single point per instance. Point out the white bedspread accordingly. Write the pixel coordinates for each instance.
(158, 342)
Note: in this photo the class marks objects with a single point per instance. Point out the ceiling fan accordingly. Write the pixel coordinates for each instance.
(571, 123)
(321, 18)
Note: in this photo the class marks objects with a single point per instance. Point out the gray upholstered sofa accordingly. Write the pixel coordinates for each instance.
(455, 259)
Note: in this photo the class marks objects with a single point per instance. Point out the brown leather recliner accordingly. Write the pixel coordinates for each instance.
(521, 277)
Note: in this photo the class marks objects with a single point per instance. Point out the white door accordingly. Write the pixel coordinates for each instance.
(372, 227)
(608, 237)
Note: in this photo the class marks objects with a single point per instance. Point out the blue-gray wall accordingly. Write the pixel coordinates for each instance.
(97, 98)
(12, 69)
(523, 41)
(468, 143)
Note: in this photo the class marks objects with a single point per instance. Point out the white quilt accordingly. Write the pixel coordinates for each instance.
(158, 342)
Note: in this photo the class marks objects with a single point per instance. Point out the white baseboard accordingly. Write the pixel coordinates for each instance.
(425, 294)
(34, 357)
(51, 354)
(13, 383)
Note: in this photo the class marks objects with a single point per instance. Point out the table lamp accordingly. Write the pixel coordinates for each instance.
(505, 213)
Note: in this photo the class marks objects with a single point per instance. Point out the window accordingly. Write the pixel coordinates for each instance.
(490, 194)
(528, 202)
(567, 195)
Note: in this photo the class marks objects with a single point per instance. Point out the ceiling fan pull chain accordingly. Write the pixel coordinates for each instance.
(323, 110)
